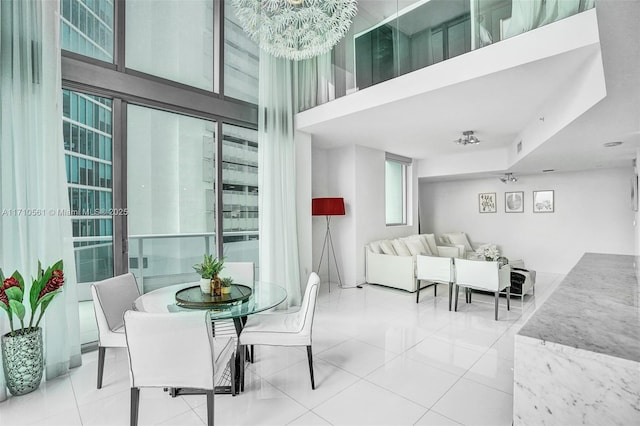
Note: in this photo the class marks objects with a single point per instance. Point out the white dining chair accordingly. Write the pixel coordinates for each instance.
(175, 350)
(240, 272)
(111, 298)
(482, 275)
(286, 329)
(435, 269)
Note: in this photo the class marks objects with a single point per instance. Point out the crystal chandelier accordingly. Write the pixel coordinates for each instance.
(296, 29)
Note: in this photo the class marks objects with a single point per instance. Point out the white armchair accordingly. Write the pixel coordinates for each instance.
(483, 275)
(175, 350)
(111, 298)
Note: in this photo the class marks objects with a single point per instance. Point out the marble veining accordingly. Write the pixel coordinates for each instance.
(560, 385)
(595, 308)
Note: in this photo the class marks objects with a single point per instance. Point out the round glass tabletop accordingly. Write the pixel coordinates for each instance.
(264, 296)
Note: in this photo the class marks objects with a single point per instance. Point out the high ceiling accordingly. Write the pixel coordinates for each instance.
(498, 106)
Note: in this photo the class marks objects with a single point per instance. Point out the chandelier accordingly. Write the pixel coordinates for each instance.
(467, 138)
(296, 29)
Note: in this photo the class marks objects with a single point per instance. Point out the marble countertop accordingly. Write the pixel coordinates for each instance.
(595, 308)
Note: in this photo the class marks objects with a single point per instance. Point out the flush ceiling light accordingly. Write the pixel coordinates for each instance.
(296, 29)
(508, 177)
(467, 138)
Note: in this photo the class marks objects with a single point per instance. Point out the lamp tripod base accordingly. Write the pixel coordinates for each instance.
(328, 242)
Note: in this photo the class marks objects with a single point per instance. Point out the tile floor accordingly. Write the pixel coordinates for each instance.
(380, 359)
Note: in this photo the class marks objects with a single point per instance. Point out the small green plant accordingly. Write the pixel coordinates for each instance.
(226, 282)
(44, 288)
(210, 266)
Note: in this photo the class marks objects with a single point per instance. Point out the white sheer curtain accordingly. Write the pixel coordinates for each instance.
(529, 14)
(315, 81)
(33, 185)
(278, 243)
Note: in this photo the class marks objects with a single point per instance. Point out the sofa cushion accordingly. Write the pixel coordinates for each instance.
(430, 241)
(400, 247)
(387, 247)
(459, 238)
(415, 245)
(374, 247)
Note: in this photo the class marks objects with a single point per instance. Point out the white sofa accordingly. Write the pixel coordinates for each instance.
(392, 263)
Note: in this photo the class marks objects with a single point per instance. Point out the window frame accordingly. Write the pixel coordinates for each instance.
(405, 164)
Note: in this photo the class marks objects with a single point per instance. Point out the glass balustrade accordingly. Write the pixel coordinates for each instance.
(390, 38)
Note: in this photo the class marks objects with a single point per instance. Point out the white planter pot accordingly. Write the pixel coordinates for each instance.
(205, 285)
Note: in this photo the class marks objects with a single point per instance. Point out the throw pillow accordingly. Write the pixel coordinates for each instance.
(460, 238)
(430, 241)
(400, 247)
(387, 248)
(374, 247)
(415, 245)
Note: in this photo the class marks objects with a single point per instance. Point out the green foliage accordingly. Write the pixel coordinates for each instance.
(226, 282)
(210, 266)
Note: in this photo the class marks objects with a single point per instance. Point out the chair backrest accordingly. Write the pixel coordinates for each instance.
(240, 272)
(434, 268)
(170, 349)
(308, 308)
(111, 298)
(481, 274)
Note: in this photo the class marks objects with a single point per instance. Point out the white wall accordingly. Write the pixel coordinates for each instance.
(355, 173)
(592, 214)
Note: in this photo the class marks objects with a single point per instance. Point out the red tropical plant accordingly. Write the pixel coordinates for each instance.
(44, 288)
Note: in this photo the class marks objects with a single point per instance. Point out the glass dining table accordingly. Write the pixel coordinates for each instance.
(185, 297)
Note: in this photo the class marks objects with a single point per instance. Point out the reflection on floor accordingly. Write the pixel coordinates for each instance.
(380, 359)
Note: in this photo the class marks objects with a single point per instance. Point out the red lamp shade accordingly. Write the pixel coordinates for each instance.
(327, 207)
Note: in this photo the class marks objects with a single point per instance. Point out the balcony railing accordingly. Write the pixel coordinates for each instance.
(383, 44)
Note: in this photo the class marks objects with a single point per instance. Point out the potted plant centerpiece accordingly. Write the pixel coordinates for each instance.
(22, 351)
(209, 269)
(226, 285)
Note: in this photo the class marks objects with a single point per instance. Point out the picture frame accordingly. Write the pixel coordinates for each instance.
(543, 201)
(487, 202)
(514, 202)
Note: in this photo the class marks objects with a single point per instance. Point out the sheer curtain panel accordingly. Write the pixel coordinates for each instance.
(278, 244)
(34, 224)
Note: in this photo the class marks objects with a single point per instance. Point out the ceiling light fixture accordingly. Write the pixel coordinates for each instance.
(467, 138)
(296, 29)
(508, 177)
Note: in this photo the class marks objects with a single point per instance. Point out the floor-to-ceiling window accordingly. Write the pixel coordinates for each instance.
(159, 124)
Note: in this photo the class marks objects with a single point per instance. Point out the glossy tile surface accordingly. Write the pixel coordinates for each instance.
(379, 358)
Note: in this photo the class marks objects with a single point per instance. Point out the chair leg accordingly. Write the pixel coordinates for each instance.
(450, 294)
(456, 290)
(497, 297)
(509, 298)
(135, 404)
(310, 357)
(435, 289)
(101, 353)
(234, 369)
(210, 399)
(253, 358)
(243, 351)
(418, 292)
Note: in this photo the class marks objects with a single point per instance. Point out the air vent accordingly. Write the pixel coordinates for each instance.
(519, 147)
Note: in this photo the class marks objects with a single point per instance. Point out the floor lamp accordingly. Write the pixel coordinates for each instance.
(328, 207)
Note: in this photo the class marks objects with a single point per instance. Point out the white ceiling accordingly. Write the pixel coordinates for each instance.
(498, 106)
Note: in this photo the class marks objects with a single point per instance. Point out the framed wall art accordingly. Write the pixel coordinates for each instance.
(487, 202)
(514, 202)
(543, 201)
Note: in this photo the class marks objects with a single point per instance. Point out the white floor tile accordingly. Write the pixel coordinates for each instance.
(418, 382)
(356, 357)
(309, 419)
(434, 419)
(493, 371)
(295, 382)
(367, 404)
(444, 355)
(471, 403)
